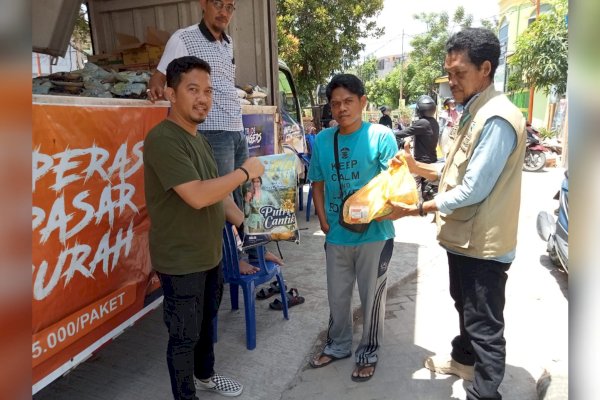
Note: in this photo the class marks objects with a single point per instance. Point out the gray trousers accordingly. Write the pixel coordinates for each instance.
(367, 265)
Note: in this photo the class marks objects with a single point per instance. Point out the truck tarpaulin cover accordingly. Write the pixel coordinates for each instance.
(91, 267)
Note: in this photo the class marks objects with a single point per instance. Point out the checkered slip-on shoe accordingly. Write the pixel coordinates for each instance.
(220, 384)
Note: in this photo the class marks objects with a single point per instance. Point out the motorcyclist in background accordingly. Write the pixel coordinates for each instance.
(449, 117)
(385, 118)
(326, 117)
(426, 132)
(532, 133)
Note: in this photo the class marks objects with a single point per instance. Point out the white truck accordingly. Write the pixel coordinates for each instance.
(92, 276)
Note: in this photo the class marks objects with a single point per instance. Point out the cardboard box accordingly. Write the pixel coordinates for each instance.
(154, 54)
(136, 56)
(106, 59)
(147, 52)
(157, 37)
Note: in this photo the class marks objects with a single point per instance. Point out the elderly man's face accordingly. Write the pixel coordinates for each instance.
(464, 78)
(217, 14)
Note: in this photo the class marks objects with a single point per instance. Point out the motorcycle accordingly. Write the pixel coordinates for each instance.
(430, 188)
(555, 230)
(535, 158)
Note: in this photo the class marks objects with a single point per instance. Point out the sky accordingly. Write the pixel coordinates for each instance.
(398, 14)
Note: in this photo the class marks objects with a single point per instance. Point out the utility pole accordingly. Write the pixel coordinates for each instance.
(401, 68)
(532, 89)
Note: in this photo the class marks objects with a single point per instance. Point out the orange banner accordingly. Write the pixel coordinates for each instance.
(66, 332)
(91, 266)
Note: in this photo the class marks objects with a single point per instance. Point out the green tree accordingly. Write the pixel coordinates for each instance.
(540, 58)
(317, 38)
(81, 32)
(428, 53)
(491, 24)
(81, 39)
(386, 90)
(368, 69)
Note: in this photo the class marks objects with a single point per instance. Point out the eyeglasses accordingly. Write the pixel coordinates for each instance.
(219, 5)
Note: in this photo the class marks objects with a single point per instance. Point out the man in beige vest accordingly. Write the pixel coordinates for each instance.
(477, 210)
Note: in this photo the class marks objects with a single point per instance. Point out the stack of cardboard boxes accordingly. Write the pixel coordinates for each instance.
(132, 54)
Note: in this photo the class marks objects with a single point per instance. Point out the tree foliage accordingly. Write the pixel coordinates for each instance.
(368, 69)
(425, 62)
(540, 58)
(427, 56)
(317, 38)
(491, 24)
(81, 38)
(386, 90)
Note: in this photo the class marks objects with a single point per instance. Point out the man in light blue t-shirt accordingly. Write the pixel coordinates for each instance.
(363, 151)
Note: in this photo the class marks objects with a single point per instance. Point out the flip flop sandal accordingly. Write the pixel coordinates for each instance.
(361, 367)
(265, 293)
(292, 298)
(331, 359)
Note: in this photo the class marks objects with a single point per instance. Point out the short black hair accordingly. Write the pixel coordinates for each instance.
(183, 65)
(480, 44)
(347, 81)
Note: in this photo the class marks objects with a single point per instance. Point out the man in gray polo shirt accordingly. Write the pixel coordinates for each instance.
(208, 41)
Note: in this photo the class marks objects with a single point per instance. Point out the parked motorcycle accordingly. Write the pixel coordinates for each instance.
(555, 230)
(535, 159)
(430, 188)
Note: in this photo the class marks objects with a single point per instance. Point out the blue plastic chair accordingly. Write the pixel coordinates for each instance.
(248, 283)
(305, 158)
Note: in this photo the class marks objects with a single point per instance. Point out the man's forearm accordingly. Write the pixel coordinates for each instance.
(232, 212)
(199, 194)
(427, 171)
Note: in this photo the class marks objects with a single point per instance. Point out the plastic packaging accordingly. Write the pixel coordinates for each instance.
(270, 202)
(371, 201)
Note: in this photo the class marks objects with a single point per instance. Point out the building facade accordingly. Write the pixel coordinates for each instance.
(515, 17)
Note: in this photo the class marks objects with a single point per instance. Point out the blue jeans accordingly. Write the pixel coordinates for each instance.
(477, 288)
(231, 150)
(190, 305)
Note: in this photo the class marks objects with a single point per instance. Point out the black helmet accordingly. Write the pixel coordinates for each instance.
(384, 109)
(425, 106)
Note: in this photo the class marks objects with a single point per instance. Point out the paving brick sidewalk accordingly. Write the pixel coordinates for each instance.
(420, 321)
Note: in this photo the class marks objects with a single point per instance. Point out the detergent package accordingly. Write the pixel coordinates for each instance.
(370, 202)
(270, 202)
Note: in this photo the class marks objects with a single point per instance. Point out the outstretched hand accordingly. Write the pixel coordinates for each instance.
(408, 157)
(399, 210)
(404, 157)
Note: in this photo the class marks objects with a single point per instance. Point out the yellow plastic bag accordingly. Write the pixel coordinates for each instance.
(370, 202)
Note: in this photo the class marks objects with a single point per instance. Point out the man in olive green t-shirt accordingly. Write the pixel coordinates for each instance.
(187, 204)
